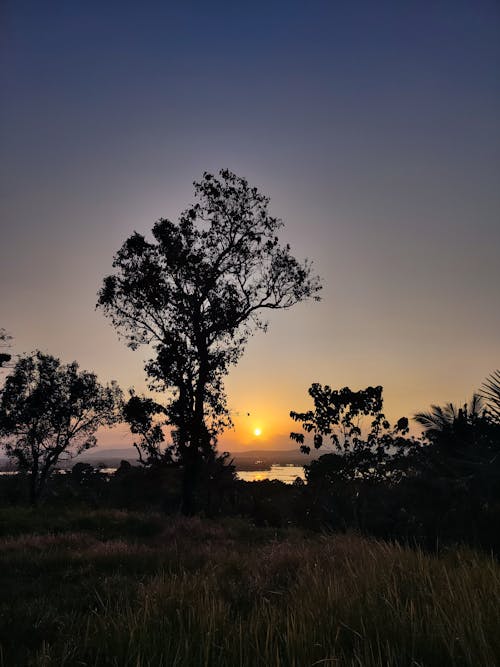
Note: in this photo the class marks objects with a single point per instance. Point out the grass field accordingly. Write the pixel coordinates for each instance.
(116, 588)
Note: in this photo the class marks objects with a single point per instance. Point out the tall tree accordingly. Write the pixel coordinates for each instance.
(196, 292)
(50, 411)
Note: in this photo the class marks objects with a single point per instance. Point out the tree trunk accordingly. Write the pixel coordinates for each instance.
(198, 434)
(34, 478)
(189, 483)
(33, 490)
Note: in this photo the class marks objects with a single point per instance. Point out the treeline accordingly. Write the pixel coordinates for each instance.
(194, 293)
(441, 487)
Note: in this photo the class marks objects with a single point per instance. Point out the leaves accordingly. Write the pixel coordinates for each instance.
(5, 342)
(196, 292)
(490, 392)
(140, 413)
(49, 410)
(361, 451)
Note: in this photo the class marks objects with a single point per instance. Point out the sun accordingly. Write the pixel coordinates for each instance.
(257, 432)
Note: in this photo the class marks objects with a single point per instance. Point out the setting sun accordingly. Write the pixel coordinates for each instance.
(257, 432)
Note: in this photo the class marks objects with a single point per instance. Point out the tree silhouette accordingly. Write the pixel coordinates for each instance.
(451, 426)
(365, 451)
(490, 392)
(50, 411)
(5, 339)
(463, 451)
(338, 416)
(140, 412)
(195, 293)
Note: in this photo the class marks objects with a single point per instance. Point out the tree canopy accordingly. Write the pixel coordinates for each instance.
(196, 292)
(360, 450)
(50, 411)
(338, 415)
(490, 392)
(139, 412)
(5, 339)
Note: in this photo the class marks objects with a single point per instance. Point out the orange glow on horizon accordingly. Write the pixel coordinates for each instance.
(261, 425)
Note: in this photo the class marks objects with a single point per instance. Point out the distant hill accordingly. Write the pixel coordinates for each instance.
(272, 453)
(107, 455)
(245, 460)
(261, 459)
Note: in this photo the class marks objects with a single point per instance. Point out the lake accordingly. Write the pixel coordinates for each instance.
(284, 473)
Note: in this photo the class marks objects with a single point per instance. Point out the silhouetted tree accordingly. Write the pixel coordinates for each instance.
(452, 426)
(50, 411)
(461, 463)
(490, 392)
(195, 292)
(5, 339)
(81, 472)
(361, 454)
(140, 412)
(338, 417)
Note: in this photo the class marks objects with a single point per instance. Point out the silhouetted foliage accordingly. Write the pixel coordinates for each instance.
(195, 293)
(490, 392)
(462, 457)
(365, 452)
(338, 417)
(139, 412)
(452, 426)
(5, 339)
(444, 486)
(82, 472)
(50, 411)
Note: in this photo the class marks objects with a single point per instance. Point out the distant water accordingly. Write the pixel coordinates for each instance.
(286, 473)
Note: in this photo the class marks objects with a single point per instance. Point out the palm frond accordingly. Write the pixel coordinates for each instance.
(440, 419)
(436, 419)
(490, 392)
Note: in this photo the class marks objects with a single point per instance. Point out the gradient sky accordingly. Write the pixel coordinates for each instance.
(373, 127)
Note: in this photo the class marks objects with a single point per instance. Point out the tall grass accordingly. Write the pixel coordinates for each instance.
(193, 592)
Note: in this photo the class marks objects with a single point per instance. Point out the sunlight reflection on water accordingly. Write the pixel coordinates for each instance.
(287, 474)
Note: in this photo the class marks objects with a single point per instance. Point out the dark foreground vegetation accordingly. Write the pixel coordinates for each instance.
(388, 555)
(125, 588)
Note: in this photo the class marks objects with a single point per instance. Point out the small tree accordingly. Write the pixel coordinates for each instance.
(196, 293)
(365, 451)
(452, 427)
(463, 449)
(338, 416)
(139, 412)
(50, 412)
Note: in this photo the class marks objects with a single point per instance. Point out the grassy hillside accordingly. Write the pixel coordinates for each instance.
(116, 588)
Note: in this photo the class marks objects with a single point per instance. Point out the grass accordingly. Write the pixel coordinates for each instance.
(119, 589)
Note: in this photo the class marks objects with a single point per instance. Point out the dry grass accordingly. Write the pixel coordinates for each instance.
(226, 594)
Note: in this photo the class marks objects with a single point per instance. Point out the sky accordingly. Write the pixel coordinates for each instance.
(372, 126)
